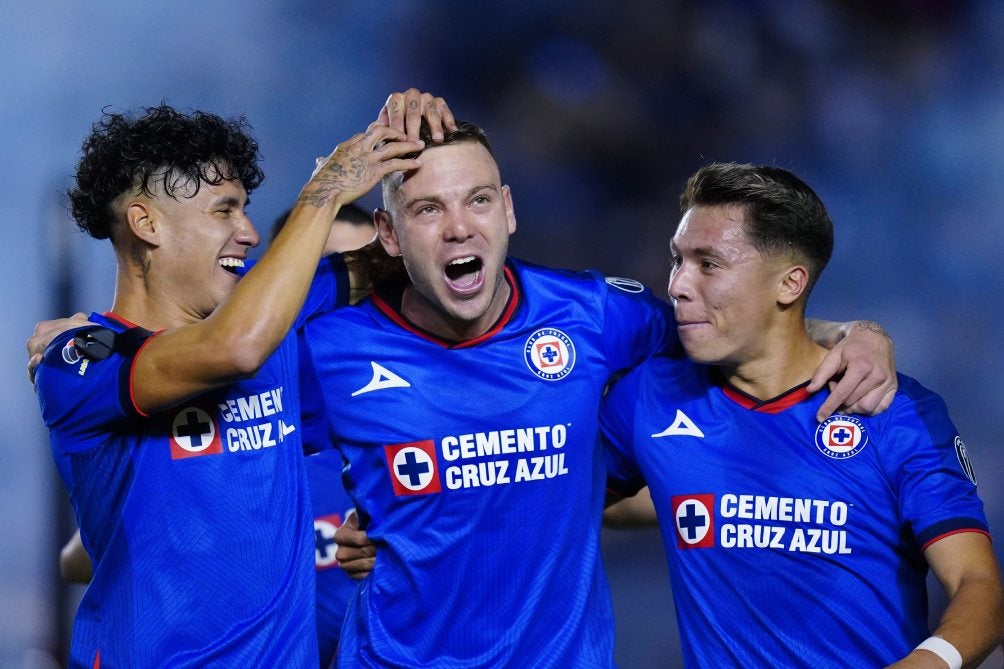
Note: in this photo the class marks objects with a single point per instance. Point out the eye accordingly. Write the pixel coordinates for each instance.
(481, 199)
(708, 264)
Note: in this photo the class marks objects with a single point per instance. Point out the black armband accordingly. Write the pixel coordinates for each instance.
(98, 343)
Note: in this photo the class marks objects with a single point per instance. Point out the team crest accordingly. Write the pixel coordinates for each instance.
(963, 455)
(549, 354)
(695, 521)
(413, 468)
(324, 540)
(627, 285)
(194, 433)
(840, 437)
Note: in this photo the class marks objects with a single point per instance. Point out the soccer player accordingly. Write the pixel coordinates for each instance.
(793, 542)
(464, 399)
(174, 422)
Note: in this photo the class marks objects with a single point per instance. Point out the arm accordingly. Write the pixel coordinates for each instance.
(45, 332)
(860, 367)
(973, 621)
(631, 512)
(355, 554)
(236, 339)
(74, 562)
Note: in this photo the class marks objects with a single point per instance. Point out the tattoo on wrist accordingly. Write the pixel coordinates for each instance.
(335, 178)
(872, 326)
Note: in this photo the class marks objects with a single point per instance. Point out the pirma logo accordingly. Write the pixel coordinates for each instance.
(413, 468)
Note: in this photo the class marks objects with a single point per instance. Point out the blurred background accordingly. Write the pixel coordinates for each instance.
(892, 110)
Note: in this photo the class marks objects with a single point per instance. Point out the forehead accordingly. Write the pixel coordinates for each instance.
(452, 168)
(713, 226)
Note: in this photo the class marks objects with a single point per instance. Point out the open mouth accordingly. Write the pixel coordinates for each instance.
(232, 264)
(464, 273)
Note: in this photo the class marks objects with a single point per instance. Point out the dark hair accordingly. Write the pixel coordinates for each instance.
(350, 213)
(783, 214)
(465, 132)
(163, 146)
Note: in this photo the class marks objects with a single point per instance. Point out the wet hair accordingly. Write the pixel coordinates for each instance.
(162, 147)
(465, 132)
(783, 214)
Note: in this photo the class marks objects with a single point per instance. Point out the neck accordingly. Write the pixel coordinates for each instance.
(140, 299)
(787, 361)
(433, 319)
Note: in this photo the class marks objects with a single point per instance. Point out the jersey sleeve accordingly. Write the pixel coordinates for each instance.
(329, 289)
(637, 325)
(80, 397)
(933, 475)
(316, 435)
(617, 419)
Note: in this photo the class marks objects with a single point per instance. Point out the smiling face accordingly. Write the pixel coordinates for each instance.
(200, 241)
(450, 220)
(725, 292)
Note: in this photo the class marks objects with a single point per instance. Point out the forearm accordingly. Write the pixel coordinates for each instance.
(831, 333)
(236, 339)
(973, 621)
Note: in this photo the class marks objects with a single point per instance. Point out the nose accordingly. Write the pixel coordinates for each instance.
(246, 233)
(679, 287)
(458, 227)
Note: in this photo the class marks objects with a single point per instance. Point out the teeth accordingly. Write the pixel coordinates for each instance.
(461, 261)
(231, 262)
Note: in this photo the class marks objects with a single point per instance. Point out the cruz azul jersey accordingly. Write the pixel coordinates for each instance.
(197, 519)
(791, 543)
(331, 505)
(476, 471)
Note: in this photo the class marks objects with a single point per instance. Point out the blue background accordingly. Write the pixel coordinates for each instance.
(893, 111)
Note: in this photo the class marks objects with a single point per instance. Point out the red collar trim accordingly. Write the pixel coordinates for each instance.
(787, 399)
(115, 317)
(394, 314)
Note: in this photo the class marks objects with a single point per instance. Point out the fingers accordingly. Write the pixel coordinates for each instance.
(355, 554)
(405, 111)
(829, 368)
(861, 389)
(356, 569)
(876, 401)
(33, 363)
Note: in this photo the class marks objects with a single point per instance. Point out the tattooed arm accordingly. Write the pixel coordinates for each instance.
(237, 338)
(859, 368)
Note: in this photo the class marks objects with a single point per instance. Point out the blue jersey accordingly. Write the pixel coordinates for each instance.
(197, 519)
(331, 506)
(791, 543)
(476, 471)
(334, 587)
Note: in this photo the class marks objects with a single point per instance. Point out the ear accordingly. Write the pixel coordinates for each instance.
(794, 281)
(386, 232)
(510, 212)
(143, 221)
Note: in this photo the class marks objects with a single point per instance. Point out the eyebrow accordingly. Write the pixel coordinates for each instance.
(226, 200)
(439, 200)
